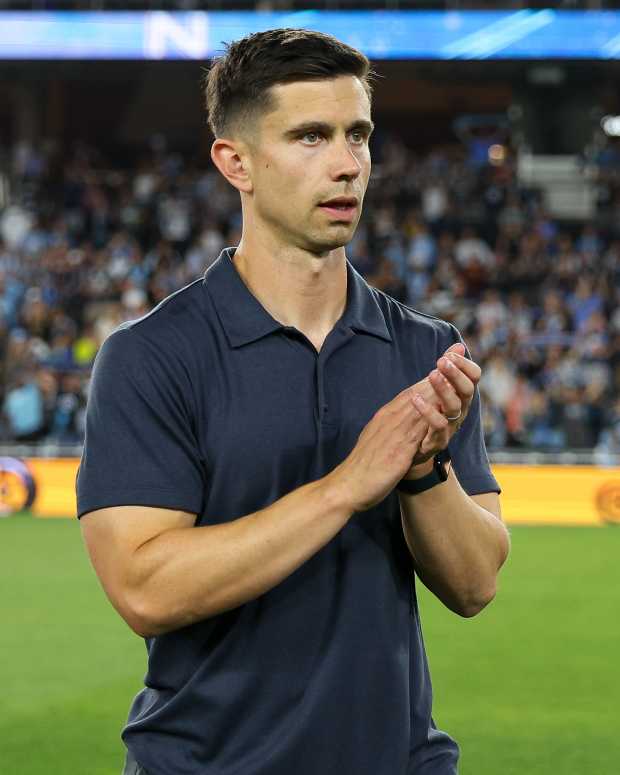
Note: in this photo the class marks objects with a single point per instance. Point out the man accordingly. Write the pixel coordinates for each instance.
(266, 462)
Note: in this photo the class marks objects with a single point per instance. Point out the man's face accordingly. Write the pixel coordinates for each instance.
(310, 150)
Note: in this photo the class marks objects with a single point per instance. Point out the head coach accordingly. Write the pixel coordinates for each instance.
(276, 449)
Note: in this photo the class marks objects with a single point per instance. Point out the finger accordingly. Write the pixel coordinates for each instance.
(416, 435)
(398, 407)
(458, 348)
(402, 401)
(435, 419)
(425, 389)
(461, 383)
(403, 412)
(467, 366)
(416, 428)
(434, 442)
(451, 403)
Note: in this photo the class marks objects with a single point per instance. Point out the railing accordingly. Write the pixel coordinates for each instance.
(569, 457)
(44, 449)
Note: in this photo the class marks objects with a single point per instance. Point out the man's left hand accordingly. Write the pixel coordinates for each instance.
(447, 391)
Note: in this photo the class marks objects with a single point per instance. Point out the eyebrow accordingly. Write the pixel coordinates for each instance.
(328, 129)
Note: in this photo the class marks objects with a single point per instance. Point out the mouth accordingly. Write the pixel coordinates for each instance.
(341, 208)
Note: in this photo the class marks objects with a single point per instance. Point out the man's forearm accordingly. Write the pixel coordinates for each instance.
(188, 574)
(457, 545)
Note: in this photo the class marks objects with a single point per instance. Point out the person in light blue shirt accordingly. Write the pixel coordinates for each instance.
(23, 409)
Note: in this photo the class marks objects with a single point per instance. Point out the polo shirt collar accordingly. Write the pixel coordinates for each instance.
(245, 320)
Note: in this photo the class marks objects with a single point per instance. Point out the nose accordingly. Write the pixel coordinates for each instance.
(344, 164)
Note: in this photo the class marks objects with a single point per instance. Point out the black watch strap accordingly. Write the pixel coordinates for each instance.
(438, 475)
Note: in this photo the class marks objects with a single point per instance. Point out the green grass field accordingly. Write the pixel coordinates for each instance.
(529, 687)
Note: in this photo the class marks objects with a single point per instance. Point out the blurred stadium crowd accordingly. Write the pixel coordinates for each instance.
(86, 244)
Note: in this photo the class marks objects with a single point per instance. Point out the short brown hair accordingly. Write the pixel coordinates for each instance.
(237, 84)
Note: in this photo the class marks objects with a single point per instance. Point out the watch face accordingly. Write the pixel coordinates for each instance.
(439, 474)
(442, 468)
(444, 455)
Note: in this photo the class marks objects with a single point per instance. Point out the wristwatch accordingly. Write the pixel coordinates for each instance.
(438, 475)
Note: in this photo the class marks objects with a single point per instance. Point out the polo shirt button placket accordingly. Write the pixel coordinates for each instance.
(328, 425)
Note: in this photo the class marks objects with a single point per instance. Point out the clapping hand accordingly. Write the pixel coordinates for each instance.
(443, 399)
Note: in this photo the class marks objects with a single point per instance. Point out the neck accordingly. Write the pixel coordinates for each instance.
(294, 286)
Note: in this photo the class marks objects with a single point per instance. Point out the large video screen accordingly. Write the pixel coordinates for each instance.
(525, 34)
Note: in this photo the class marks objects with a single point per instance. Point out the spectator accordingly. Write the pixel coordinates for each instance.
(520, 316)
(492, 311)
(576, 423)
(23, 409)
(541, 423)
(97, 243)
(472, 249)
(584, 302)
(15, 224)
(498, 379)
(67, 425)
(607, 449)
(386, 279)
(85, 347)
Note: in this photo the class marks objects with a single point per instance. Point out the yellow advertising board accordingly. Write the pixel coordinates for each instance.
(551, 495)
(55, 485)
(559, 495)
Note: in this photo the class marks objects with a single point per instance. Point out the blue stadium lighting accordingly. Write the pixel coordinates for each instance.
(494, 38)
(525, 34)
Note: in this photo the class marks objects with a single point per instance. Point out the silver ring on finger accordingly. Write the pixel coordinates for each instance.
(456, 417)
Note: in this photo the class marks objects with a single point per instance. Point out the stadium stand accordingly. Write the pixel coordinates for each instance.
(86, 244)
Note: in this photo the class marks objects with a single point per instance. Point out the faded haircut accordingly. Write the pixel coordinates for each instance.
(237, 86)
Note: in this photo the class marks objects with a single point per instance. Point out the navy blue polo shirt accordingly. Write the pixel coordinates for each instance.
(209, 405)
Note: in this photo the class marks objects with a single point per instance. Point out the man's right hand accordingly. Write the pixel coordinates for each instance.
(384, 450)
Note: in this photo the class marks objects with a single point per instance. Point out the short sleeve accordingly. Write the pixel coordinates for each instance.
(140, 445)
(467, 447)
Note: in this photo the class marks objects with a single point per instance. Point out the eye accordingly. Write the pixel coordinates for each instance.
(358, 136)
(311, 138)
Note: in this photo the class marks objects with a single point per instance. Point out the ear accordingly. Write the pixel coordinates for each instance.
(233, 162)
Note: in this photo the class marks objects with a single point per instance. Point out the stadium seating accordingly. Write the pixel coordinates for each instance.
(86, 244)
